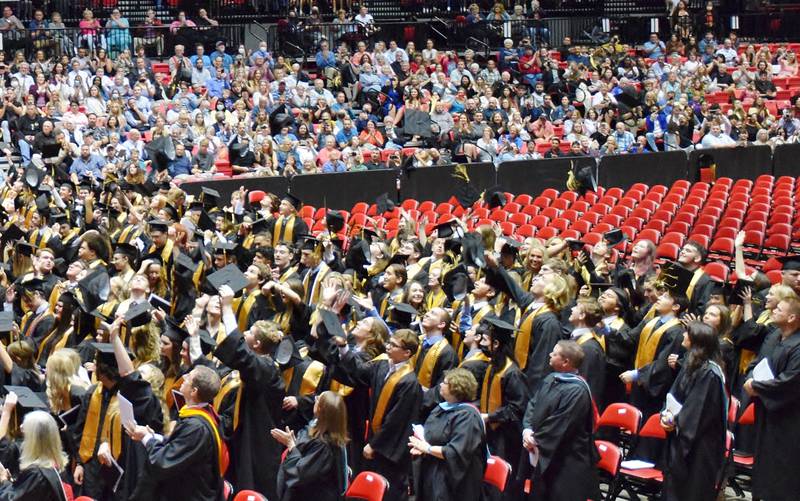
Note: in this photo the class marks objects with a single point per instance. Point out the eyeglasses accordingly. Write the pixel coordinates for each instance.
(392, 344)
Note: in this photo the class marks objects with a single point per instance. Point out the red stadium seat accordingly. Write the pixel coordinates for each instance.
(369, 486)
(609, 463)
(526, 230)
(547, 233)
(540, 221)
(249, 496)
(721, 248)
(700, 239)
(519, 218)
(717, 271)
(624, 418)
(650, 234)
(667, 250)
(675, 238)
(497, 472)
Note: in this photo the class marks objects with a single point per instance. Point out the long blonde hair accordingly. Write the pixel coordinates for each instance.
(155, 377)
(60, 376)
(41, 445)
(331, 414)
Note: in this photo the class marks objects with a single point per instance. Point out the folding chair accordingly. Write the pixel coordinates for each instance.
(497, 472)
(369, 486)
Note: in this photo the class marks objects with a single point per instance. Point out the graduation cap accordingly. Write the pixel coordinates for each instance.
(138, 314)
(447, 229)
(790, 263)
(614, 237)
(466, 195)
(456, 283)
(675, 277)
(157, 302)
(43, 205)
(581, 179)
(33, 285)
(185, 262)
(384, 204)
(12, 234)
(174, 331)
(105, 353)
(205, 223)
(334, 220)
(472, 250)
(398, 259)
(259, 225)
(734, 297)
(284, 351)
(494, 197)
(102, 316)
(333, 326)
(127, 250)
(60, 265)
(502, 331)
(68, 417)
(33, 176)
(27, 400)
(158, 225)
(24, 248)
(171, 211)
(207, 343)
(623, 300)
(403, 313)
(309, 243)
(358, 257)
(231, 276)
(209, 196)
(296, 202)
(510, 246)
(6, 321)
(223, 247)
(576, 245)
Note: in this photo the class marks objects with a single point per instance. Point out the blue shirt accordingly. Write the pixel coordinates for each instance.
(227, 60)
(206, 60)
(344, 136)
(83, 167)
(334, 166)
(179, 166)
(215, 86)
(326, 62)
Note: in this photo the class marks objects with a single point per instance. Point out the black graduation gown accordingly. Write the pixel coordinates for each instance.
(777, 403)
(650, 389)
(478, 369)
(313, 469)
(593, 369)
(504, 423)
(185, 465)
(448, 359)
(460, 432)
(33, 484)
(561, 417)
(697, 446)
(357, 403)
(619, 358)
(700, 295)
(255, 455)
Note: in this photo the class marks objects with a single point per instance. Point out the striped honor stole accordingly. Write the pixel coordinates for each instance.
(231, 382)
(284, 229)
(211, 419)
(110, 432)
(593, 335)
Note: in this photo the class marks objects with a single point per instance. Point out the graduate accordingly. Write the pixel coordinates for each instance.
(316, 461)
(585, 316)
(615, 305)
(288, 226)
(394, 404)
(696, 435)
(503, 392)
(452, 453)
(255, 455)
(194, 447)
(557, 428)
(777, 403)
(434, 357)
(692, 257)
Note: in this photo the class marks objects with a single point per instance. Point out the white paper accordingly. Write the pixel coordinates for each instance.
(673, 406)
(636, 464)
(419, 431)
(116, 465)
(125, 411)
(533, 457)
(762, 372)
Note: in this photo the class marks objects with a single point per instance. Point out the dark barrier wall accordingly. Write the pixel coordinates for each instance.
(533, 176)
(341, 190)
(736, 163)
(786, 160)
(225, 187)
(649, 168)
(438, 184)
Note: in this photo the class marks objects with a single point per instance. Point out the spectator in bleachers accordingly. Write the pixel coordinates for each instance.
(654, 48)
(716, 138)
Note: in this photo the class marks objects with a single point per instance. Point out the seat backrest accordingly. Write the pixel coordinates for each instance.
(748, 417)
(497, 472)
(249, 496)
(610, 457)
(621, 415)
(368, 485)
(652, 428)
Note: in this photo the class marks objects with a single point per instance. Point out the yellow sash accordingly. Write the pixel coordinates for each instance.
(311, 378)
(649, 339)
(243, 311)
(312, 290)
(386, 395)
(189, 412)
(230, 383)
(111, 432)
(522, 344)
(434, 299)
(651, 313)
(39, 238)
(592, 335)
(492, 391)
(429, 362)
(747, 356)
(476, 319)
(477, 356)
(61, 342)
(697, 274)
(284, 230)
(171, 384)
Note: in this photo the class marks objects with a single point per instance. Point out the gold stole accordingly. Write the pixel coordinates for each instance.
(747, 356)
(386, 394)
(112, 429)
(31, 328)
(342, 389)
(128, 234)
(230, 383)
(617, 324)
(477, 356)
(40, 237)
(492, 391)
(61, 342)
(697, 274)
(435, 299)
(171, 384)
(311, 290)
(592, 335)
(651, 313)
(649, 339)
(522, 344)
(414, 269)
(429, 362)
(187, 412)
(476, 319)
(309, 381)
(284, 229)
(248, 241)
(243, 311)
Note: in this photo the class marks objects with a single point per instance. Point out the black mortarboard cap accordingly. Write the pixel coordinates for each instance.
(33, 285)
(24, 248)
(61, 266)
(171, 211)
(333, 326)
(185, 262)
(105, 353)
(582, 179)
(790, 263)
(27, 400)
(223, 247)
(357, 257)
(576, 245)
(623, 300)
(445, 230)
(467, 195)
(296, 202)
(309, 243)
(210, 196)
(614, 237)
(131, 251)
(205, 222)
(384, 203)
(494, 197)
(403, 313)
(259, 225)
(174, 331)
(456, 283)
(284, 351)
(398, 259)
(472, 250)
(33, 176)
(510, 246)
(502, 331)
(102, 316)
(59, 218)
(675, 277)
(138, 314)
(43, 205)
(158, 225)
(157, 302)
(335, 221)
(12, 233)
(231, 276)
(734, 297)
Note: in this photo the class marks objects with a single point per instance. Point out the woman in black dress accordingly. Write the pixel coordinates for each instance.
(452, 452)
(315, 466)
(696, 434)
(41, 460)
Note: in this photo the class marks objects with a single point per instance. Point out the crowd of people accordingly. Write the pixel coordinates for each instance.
(171, 337)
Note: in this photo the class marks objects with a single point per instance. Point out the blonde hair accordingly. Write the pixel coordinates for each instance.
(556, 292)
(331, 414)
(59, 378)
(41, 445)
(155, 377)
(783, 292)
